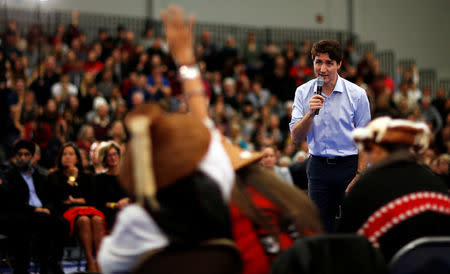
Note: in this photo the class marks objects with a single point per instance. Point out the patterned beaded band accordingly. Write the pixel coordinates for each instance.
(189, 72)
(401, 209)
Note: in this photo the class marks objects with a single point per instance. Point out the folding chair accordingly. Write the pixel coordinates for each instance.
(217, 256)
(423, 255)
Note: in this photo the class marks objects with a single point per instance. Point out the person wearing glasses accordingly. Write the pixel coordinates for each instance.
(110, 197)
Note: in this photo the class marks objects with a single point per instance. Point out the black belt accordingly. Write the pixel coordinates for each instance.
(333, 160)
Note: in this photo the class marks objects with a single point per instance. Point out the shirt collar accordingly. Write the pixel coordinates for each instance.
(339, 87)
(31, 171)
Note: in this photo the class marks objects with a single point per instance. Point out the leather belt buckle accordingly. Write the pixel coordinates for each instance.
(331, 160)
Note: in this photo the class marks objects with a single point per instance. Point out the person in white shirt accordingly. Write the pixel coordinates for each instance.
(63, 89)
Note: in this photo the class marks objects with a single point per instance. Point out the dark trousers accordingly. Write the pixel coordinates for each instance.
(327, 180)
(46, 234)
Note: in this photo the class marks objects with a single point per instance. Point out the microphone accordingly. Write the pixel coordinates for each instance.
(319, 90)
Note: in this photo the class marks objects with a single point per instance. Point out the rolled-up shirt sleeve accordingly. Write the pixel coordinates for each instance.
(298, 110)
(362, 113)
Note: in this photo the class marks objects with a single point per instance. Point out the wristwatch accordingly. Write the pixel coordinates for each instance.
(189, 72)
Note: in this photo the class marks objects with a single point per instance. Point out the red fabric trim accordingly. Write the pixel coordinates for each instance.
(400, 209)
(72, 213)
(247, 236)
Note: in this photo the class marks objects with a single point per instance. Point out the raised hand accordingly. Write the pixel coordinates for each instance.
(179, 34)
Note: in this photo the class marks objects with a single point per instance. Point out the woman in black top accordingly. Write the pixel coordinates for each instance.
(72, 195)
(110, 197)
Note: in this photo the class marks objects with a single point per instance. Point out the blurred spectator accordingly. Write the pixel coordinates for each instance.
(101, 122)
(158, 85)
(86, 137)
(25, 113)
(414, 91)
(128, 44)
(228, 56)
(120, 36)
(431, 114)
(258, 95)
(45, 80)
(63, 89)
(142, 87)
(298, 170)
(251, 55)
(95, 166)
(407, 75)
(106, 42)
(403, 94)
(72, 31)
(230, 91)
(269, 161)
(442, 168)
(76, 74)
(10, 47)
(300, 71)
(366, 68)
(147, 38)
(280, 84)
(106, 84)
(35, 162)
(158, 48)
(93, 65)
(69, 62)
(350, 54)
(117, 133)
(87, 100)
(384, 106)
(209, 51)
(439, 102)
(427, 157)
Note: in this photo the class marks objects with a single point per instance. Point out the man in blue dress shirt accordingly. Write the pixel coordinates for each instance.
(334, 163)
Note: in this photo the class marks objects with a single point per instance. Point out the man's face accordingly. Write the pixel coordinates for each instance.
(269, 159)
(326, 68)
(23, 158)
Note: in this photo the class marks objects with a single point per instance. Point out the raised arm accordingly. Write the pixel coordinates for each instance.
(179, 35)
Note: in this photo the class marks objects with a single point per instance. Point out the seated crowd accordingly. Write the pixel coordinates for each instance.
(68, 167)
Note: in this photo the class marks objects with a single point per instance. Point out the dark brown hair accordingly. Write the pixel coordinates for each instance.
(79, 164)
(295, 205)
(332, 47)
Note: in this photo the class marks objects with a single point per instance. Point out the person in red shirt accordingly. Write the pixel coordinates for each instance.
(92, 65)
(266, 213)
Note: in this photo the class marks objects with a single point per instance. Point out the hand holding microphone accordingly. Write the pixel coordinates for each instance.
(319, 90)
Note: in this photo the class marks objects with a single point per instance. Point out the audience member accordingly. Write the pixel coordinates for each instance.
(269, 161)
(72, 195)
(33, 217)
(109, 196)
(386, 204)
